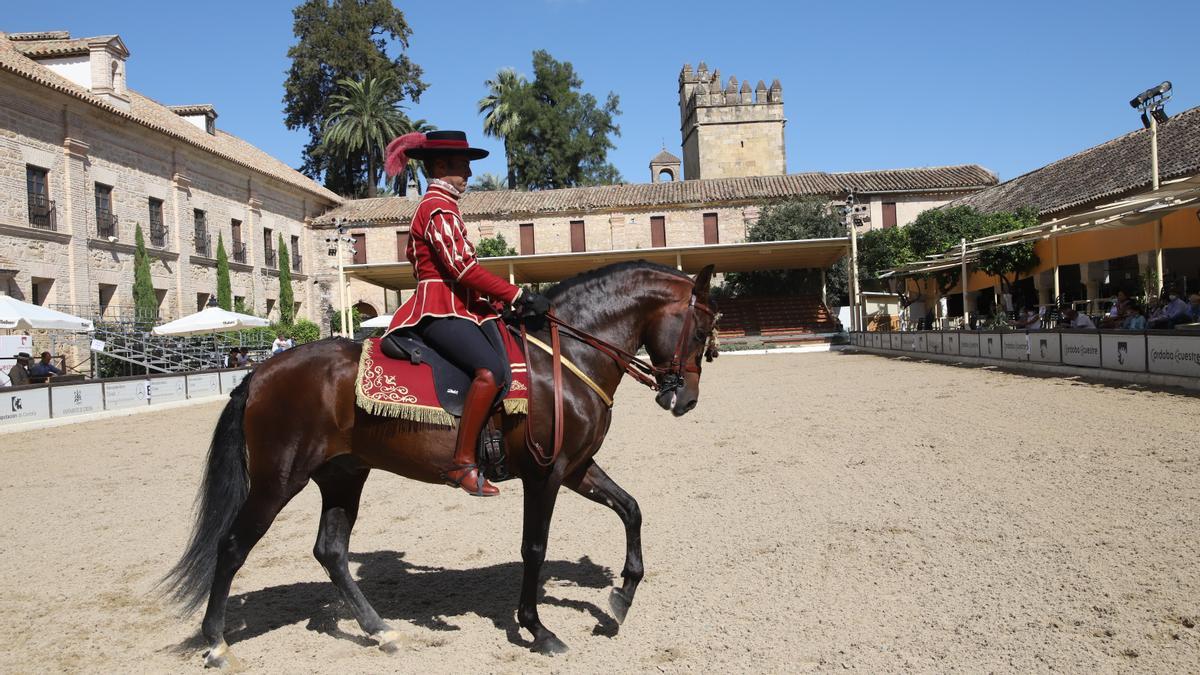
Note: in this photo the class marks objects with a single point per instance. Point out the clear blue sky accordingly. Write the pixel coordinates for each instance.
(867, 85)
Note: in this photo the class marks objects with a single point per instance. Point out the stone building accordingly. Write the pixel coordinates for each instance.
(638, 216)
(84, 159)
(729, 132)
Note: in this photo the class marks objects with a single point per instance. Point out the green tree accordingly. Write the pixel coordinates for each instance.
(500, 116)
(365, 117)
(488, 182)
(335, 321)
(494, 247)
(145, 302)
(883, 249)
(224, 289)
(335, 40)
(561, 136)
(1007, 262)
(287, 304)
(303, 331)
(803, 218)
(936, 231)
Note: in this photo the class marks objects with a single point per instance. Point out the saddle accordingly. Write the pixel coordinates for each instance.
(450, 382)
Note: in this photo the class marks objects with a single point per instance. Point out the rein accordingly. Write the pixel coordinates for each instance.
(639, 369)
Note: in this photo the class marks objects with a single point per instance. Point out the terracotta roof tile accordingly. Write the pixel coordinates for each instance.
(1103, 172)
(160, 118)
(506, 203)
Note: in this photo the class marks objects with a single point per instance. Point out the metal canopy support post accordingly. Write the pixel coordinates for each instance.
(1054, 260)
(855, 317)
(966, 314)
(823, 285)
(1158, 256)
(512, 277)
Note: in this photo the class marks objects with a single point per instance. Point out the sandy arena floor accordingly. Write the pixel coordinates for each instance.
(816, 512)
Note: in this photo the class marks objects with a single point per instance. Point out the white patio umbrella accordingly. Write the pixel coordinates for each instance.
(377, 322)
(17, 315)
(210, 320)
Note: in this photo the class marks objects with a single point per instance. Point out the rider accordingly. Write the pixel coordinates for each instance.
(451, 304)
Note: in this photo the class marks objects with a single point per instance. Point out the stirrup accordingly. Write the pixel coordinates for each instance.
(466, 469)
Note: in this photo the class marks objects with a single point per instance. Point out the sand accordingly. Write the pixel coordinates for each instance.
(816, 512)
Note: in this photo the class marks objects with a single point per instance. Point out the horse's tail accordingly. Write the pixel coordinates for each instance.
(222, 494)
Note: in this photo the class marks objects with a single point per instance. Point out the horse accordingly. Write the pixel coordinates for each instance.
(294, 419)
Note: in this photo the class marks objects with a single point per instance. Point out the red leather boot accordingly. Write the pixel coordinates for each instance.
(464, 472)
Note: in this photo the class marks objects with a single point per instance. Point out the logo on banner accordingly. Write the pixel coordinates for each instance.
(1042, 346)
(16, 404)
(1122, 352)
(77, 397)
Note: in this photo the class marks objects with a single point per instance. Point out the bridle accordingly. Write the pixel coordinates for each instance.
(663, 379)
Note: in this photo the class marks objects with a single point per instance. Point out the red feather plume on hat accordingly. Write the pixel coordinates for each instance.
(396, 155)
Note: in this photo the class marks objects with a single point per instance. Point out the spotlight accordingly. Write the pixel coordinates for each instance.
(1145, 121)
(1153, 92)
(1159, 114)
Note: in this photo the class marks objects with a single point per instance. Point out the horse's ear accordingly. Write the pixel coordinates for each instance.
(701, 282)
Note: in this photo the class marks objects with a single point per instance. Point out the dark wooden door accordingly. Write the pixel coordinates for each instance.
(578, 241)
(527, 247)
(658, 231)
(711, 235)
(360, 248)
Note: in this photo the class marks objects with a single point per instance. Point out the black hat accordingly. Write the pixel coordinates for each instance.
(442, 143)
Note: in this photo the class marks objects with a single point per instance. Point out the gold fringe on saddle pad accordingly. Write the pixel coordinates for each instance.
(394, 400)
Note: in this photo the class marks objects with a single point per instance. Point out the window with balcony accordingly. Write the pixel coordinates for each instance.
(106, 220)
(41, 207)
(269, 257)
(237, 246)
(158, 230)
(200, 224)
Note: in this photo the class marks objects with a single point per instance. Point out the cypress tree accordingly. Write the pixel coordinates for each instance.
(224, 289)
(286, 298)
(145, 302)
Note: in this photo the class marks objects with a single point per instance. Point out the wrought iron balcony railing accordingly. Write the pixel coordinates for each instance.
(41, 212)
(239, 252)
(106, 225)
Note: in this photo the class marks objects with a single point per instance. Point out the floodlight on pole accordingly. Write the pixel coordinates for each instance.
(1151, 102)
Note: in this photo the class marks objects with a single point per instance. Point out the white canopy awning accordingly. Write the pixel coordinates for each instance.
(377, 322)
(210, 320)
(17, 315)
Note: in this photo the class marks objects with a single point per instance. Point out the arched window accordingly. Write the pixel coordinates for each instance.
(118, 87)
(666, 175)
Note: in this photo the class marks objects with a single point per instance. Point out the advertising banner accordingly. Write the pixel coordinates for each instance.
(76, 399)
(230, 379)
(1015, 346)
(1044, 347)
(1174, 354)
(124, 394)
(204, 384)
(989, 345)
(950, 343)
(922, 343)
(1081, 349)
(1123, 352)
(968, 344)
(897, 341)
(167, 389)
(25, 405)
(934, 343)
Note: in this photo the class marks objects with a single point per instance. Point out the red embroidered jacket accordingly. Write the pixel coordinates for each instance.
(449, 280)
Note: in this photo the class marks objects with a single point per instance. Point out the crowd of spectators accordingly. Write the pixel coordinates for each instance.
(1168, 311)
(26, 371)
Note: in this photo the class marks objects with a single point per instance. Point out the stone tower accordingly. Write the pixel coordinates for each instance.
(729, 131)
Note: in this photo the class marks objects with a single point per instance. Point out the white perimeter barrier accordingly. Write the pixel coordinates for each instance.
(46, 401)
(1166, 352)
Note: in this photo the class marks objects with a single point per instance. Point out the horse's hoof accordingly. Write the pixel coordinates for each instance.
(219, 657)
(619, 605)
(389, 641)
(549, 645)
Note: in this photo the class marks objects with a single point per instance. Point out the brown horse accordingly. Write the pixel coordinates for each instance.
(295, 418)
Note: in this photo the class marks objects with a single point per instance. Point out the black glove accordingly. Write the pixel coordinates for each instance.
(532, 304)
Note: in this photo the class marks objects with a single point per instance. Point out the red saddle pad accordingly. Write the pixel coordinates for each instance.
(399, 388)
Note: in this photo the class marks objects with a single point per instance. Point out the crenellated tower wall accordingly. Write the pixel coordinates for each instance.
(730, 130)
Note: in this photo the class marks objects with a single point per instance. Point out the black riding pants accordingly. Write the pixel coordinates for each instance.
(466, 345)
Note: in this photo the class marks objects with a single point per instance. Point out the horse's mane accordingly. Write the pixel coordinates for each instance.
(587, 280)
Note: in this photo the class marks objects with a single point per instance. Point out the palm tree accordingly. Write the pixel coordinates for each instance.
(416, 166)
(500, 116)
(488, 182)
(366, 117)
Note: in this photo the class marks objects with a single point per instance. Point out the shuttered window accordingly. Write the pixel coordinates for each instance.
(402, 246)
(578, 240)
(360, 248)
(527, 247)
(711, 236)
(889, 214)
(658, 231)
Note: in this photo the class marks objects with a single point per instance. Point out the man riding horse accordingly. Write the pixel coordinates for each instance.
(451, 305)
